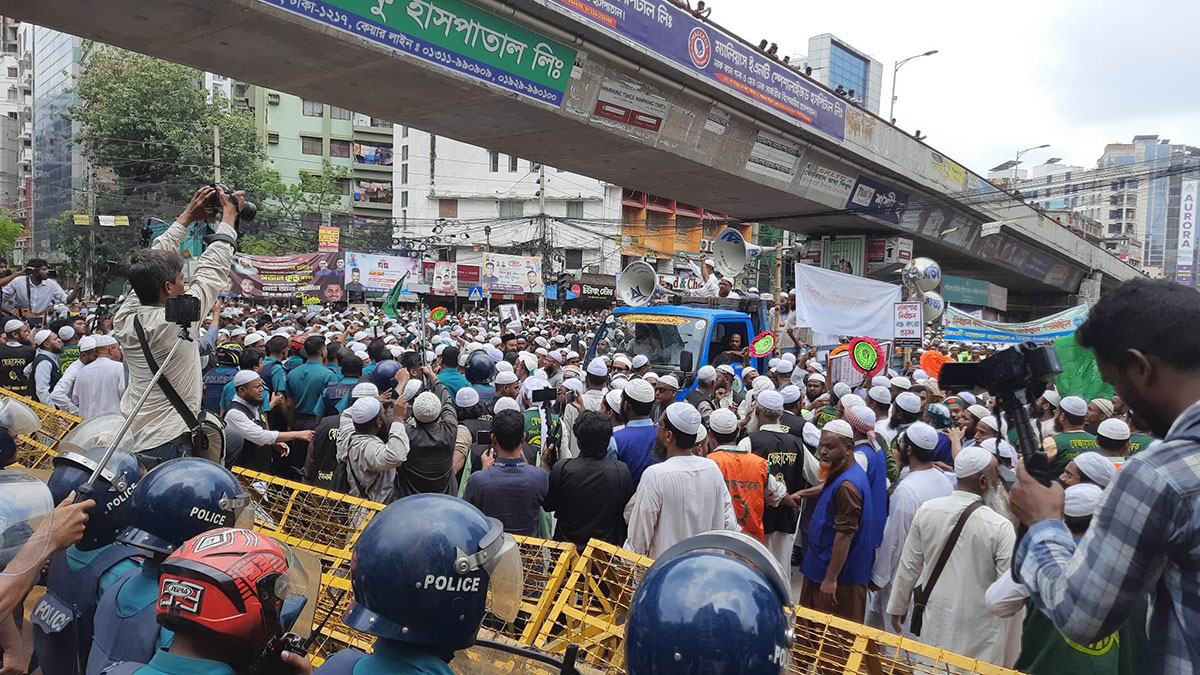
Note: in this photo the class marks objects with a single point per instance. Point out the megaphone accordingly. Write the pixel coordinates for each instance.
(731, 253)
(638, 284)
(932, 306)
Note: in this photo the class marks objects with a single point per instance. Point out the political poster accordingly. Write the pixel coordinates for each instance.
(313, 277)
(366, 272)
(328, 238)
(511, 273)
(847, 255)
(445, 278)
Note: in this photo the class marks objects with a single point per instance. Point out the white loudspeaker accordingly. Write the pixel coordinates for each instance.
(926, 274)
(731, 253)
(638, 284)
(932, 306)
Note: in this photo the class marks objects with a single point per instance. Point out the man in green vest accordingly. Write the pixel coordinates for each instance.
(70, 347)
(1071, 439)
(1139, 434)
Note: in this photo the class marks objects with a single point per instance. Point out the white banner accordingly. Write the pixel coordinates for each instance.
(843, 304)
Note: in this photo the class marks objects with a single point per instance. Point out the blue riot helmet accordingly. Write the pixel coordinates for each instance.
(181, 498)
(713, 603)
(25, 508)
(425, 567)
(479, 367)
(112, 489)
(16, 419)
(384, 374)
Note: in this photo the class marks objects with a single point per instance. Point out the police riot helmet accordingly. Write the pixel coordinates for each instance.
(383, 375)
(426, 566)
(479, 367)
(229, 354)
(111, 490)
(712, 603)
(181, 498)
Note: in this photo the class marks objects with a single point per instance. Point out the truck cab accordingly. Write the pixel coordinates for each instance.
(681, 338)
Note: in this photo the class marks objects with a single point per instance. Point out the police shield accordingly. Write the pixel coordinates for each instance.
(26, 516)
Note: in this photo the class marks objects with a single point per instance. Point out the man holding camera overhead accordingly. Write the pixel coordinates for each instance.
(158, 431)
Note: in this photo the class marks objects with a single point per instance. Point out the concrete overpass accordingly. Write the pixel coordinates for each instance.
(636, 92)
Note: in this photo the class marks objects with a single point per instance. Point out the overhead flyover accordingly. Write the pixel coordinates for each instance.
(636, 92)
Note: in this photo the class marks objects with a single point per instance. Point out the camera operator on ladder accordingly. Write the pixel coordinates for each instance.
(155, 275)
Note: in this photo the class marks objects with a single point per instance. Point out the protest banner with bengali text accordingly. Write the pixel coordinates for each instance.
(843, 304)
(314, 278)
(962, 327)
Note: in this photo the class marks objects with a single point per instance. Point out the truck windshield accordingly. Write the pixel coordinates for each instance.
(659, 337)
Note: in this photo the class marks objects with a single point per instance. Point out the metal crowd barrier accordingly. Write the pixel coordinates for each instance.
(569, 598)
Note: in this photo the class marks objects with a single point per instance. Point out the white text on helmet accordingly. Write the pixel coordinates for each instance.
(213, 517)
(452, 584)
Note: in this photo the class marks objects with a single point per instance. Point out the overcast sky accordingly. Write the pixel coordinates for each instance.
(1076, 74)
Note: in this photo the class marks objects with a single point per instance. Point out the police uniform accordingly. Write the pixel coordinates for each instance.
(166, 663)
(336, 396)
(387, 658)
(126, 628)
(214, 384)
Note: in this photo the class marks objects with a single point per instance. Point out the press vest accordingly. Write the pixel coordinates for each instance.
(68, 355)
(325, 472)
(860, 558)
(62, 636)
(12, 365)
(122, 638)
(877, 477)
(827, 415)
(55, 374)
(786, 464)
(214, 382)
(746, 476)
(253, 457)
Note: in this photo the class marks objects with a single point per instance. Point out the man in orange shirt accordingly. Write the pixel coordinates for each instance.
(751, 487)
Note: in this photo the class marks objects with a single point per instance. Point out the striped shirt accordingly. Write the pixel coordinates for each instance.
(1144, 539)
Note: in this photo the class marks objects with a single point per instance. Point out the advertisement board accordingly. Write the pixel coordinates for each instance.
(366, 272)
(1185, 269)
(445, 278)
(312, 277)
(847, 255)
(329, 238)
(511, 273)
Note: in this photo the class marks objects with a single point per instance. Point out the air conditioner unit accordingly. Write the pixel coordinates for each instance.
(273, 137)
(273, 99)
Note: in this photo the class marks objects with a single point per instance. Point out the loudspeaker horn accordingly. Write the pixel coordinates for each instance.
(731, 253)
(639, 284)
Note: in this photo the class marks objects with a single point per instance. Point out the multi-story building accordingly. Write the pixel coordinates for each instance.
(22, 208)
(59, 168)
(16, 90)
(835, 63)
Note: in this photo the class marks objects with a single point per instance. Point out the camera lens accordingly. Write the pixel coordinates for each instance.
(249, 210)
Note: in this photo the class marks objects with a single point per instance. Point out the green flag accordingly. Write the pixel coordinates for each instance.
(389, 305)
(1080, 376)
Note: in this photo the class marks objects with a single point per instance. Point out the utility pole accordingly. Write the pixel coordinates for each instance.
(487, 232)
(545, 242)
(89, 275)
(217, 153)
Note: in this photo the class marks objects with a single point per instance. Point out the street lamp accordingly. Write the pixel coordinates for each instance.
(1022, 152)
(896, 69)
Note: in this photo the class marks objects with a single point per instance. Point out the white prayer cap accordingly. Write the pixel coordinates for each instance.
(411, 389)
(613, 398)
(572, 354)
(669, 381)
(495, 342)
(640, 391)
(881, 381)
(87, 343)
(505, 377)
(816, 377)
(901, 382)
(66, 332)
(1105, 405)
(13, 325)
(701, 435)
(770, 400)
(784, 367)
(790, 357)
(880, 395)
(790, 394)
(841, 389)
(970, 461)
(1096, 467)
(244, 377)
(909, 402)
(812, 435)
(105, 340)
(556, 354)
(363, 389)
(919, 376)
(861, 418)
(723, 421)
(638, 361)
(1052, 397)
(1000, 448)
(727, 369)
(839, 427)
(1074, 405)
(437, 351)
(597, 368)
(466, 397)
(364, 410)
(41, 335)
(528, 359)
(706, 374)
(621, 358)
(772, 363)
(709, 262)
(254, 338)
(684, 417)
(978, 411)
(1081, 500)
(497, 356)
(762, 384)
(850, 400)
(542, 342)
(395, 350)
(1113, 428)
(427, 407)
(619, 382)
(968, 397)
(505, 403)
(650, 377)
(989, 421)
(574, 385)
(922, 435)
(238, 330)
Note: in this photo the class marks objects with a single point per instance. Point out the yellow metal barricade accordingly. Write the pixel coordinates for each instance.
(35, 450)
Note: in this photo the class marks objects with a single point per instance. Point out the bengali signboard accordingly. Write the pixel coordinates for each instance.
(456, 35)
(962, 327)
(910, 327)
(1185, 261)
(313, 277)
(329, 238)
(877, 199)
(713, 54)
(366, 272)
(511, 273)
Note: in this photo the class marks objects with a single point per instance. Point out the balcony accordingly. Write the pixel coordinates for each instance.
(375, 158)
(27, 157)
(26, 131)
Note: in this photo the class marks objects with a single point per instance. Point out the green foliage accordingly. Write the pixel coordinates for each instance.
(10, 230)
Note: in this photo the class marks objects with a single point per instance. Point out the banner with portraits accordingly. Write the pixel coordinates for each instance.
(380, 273)
(511, 274)
(314, 278)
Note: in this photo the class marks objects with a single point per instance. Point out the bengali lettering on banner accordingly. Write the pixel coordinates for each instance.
(370, 273)
(1185, 262)
(842, 304)
(445, 278)
(329, 238)
(709, 52)
(511, 273)
(456, 35)
(314, 278)
(962, 327)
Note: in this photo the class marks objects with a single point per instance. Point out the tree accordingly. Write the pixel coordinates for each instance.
(10, 230)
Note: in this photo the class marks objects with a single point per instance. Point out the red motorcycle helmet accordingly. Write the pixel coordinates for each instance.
(233, 584)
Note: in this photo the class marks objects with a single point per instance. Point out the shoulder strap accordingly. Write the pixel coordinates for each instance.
(926, 590)
(189, 418)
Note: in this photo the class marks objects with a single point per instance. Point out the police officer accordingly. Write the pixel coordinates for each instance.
(77, 577)
(336, 396)
(321, 468)
(421, 574)
(737, 624)
(228, 356)
(173, 503)
(217, 627)
(479, 371)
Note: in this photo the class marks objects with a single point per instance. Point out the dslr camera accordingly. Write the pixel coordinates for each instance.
(246, 212)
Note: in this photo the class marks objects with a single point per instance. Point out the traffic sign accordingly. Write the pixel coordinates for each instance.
(475, 293)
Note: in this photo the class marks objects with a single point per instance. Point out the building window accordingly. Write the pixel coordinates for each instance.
(849, 70)
(1132, 185)
(494, 161)
(574, 258)
(574, 209)
(273, 137)
(512, 163)
(404, 153)
(376, 122)
(12, 72)
(404, 174)
(404, 132)
(447, 208)
(512, 209)
(311, 145)
(345, 185)
(313, 108)
(339, 148)
(337, 113)
(404, 199)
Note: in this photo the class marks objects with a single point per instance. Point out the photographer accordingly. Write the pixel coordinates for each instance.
(156, 274)
(34, 297)
(1145, 536)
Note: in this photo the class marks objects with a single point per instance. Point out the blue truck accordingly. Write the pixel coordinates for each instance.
(680, 338)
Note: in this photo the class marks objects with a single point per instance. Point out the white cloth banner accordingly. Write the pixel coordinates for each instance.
(843, 304)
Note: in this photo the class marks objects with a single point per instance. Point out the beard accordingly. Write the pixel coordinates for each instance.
(996, 499)
(659, 453)
(823, 470)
